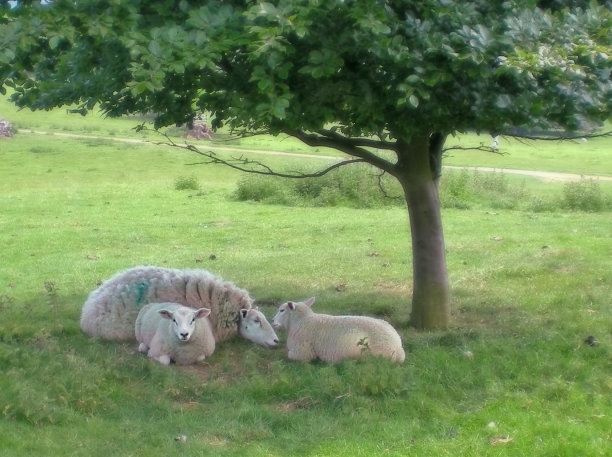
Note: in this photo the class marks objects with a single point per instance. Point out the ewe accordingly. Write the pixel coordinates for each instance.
(172, 332)
(333, 338)
(111, 309)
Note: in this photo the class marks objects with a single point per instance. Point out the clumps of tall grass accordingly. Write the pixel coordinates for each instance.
(584, 195)
(358, 186)
(364, 187)
(464, 189)
(186, 183)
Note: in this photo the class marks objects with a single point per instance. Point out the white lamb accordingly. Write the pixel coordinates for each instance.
(110, 311)
(169, 332)
(333, 338)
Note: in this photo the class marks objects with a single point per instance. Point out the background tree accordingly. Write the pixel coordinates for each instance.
(383, 81)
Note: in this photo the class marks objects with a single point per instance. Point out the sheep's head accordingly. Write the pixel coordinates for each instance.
(255, 327)
(281, 320)
(184, 320)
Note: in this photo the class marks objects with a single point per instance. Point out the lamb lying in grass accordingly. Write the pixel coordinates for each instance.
(110, 311)
(333, 338)
(172, 332)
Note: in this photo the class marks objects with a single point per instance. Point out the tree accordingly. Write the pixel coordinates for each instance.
(384, 81)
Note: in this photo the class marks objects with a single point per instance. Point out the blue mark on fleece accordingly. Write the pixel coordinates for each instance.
(140, 288)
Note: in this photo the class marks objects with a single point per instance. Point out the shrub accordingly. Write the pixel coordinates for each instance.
(462, 189)
(357, 186)
(186, 183)
(583, 195)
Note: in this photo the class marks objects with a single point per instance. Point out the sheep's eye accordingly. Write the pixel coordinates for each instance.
(257, 321)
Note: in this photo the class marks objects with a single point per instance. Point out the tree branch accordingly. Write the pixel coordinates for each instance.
(251, 166)
(474, 148)
(382, 189)
(555, 137)
(350, 146)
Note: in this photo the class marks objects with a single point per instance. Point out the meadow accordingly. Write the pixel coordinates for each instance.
(515, 374)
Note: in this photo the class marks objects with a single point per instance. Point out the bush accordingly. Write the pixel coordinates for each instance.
(186, 183)
(462, 189)
(356, 186)
(584, 195)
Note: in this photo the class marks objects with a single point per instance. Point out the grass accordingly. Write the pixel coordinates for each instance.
(513, 376)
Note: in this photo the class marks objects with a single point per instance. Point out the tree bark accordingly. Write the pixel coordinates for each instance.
(431, 289)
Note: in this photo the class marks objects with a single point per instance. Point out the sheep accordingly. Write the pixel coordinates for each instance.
(110, 311)
(169, 332)
(333, 338)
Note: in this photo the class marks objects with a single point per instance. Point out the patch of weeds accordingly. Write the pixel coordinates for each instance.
(51, 293)
(461, 189)
(455, 190)
(355, 187)
(584, 195)
(539, 204)
(6, 301)
(40, 149)
(186, 183)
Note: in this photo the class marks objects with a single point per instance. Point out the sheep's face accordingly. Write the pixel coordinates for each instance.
(255, 327)
(282, 316)
(281, 320)
(184, 321)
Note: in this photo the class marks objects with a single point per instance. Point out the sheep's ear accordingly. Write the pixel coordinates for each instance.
(202, 312)
(291, 305)
(166, 314)
(309, 302)
(243, 313)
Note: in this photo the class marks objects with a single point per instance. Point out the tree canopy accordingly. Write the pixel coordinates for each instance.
(372, 67)
(357, 75)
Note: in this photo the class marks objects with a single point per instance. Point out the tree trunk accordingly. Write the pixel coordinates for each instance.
(431, 294)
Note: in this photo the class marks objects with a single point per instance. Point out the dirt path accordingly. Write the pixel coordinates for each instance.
(544, 175)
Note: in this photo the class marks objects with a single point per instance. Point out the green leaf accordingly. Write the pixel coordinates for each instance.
(156, 49)
(413, 101)
(279, 107)
(54, 42)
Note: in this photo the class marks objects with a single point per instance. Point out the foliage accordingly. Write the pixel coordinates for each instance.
(356, 186)
(301, 64)
(585, 195)
(186, 183)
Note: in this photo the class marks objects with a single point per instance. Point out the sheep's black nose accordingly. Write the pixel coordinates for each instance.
(275, 340)
(184, 336)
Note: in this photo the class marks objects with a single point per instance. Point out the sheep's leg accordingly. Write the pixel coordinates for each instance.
(302, 353)
(163, 359)
(143, 348)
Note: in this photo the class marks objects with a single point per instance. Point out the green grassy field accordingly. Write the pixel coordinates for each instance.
(511, 377)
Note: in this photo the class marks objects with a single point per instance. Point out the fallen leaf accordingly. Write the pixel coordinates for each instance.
(92, 257)
(341, 287)
(374, 254)
(503, 439)
(497, 238)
